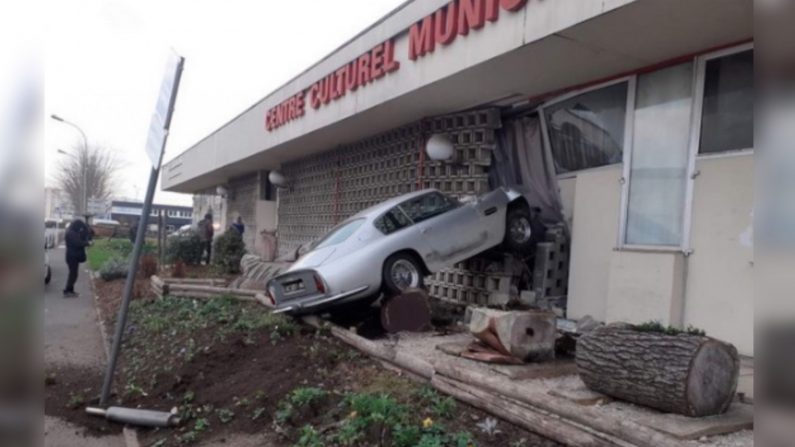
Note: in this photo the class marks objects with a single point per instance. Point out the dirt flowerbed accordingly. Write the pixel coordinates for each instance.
(231, 368)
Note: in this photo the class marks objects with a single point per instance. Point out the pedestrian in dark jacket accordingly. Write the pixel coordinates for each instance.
(206, 232)
(239, 226)
(77, 238)
(133, 231)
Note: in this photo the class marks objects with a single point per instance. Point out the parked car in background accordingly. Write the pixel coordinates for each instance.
(392, 246)
(53, 233)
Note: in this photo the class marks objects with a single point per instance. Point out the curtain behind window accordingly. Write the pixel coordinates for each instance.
(521, 162)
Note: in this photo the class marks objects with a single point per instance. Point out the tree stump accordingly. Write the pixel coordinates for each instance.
(526, 335)
(686, 374)
(410, 311)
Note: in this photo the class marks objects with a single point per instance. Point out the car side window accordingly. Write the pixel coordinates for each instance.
(392, 221)
(428, 205)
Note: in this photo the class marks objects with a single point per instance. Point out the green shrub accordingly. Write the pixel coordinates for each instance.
(114, 268)
(185, 247)
(228, 249)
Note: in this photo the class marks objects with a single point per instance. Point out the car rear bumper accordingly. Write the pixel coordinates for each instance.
(316, 302)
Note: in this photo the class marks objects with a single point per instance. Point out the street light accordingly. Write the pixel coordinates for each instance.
(83, 165)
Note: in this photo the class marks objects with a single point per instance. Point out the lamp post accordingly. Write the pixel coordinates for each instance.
(83, 165)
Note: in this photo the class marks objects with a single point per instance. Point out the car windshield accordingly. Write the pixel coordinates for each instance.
(340, 234)
(428, 205)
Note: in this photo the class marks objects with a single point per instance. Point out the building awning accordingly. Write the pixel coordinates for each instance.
(543, 47)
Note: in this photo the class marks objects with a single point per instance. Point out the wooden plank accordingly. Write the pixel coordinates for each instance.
(512, 411)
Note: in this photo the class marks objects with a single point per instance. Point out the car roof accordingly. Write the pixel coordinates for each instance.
(377, 210)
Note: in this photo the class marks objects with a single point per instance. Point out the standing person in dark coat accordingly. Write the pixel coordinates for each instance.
(206, 232)
(133, 231)
(77, 238)
(238, 225)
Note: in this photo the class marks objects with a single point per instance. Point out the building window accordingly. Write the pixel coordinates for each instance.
(727, 121)
(659, 157)
(587, 131)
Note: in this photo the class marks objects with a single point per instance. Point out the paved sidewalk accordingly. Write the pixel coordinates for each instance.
(71, 337)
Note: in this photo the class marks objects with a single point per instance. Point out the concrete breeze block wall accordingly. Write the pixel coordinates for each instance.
(329, 187)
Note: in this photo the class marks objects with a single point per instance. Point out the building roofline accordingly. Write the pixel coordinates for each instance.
(304, 71)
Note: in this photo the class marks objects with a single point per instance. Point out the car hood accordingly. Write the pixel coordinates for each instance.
(314, 258)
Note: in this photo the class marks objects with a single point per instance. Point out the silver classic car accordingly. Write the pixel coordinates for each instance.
(392, 246)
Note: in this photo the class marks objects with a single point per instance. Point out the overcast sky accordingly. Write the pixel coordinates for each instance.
(105, 59)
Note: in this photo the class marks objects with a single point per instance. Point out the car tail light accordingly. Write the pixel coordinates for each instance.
(271, 295)
(319, 284)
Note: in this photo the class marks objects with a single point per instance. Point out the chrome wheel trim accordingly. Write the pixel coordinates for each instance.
(404, 274)
(520, 230)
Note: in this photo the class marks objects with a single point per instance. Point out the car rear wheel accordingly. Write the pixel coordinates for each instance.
(523, 230)
(402, 271)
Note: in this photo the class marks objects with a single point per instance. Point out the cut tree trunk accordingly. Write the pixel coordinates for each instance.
(685, 374)
(526, 335)
(410, 311)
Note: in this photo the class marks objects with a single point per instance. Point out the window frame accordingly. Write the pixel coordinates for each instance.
(541, 110)
(699, 80)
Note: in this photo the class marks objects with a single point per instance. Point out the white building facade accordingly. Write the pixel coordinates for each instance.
(644, 111)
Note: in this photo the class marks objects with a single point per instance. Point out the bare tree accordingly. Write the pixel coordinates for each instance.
(96, 166)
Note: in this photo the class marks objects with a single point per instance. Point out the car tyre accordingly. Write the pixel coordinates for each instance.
(523, 230)
(402, 271)
(48, 276)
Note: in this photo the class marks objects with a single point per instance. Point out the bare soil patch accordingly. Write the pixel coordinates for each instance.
(230, 369)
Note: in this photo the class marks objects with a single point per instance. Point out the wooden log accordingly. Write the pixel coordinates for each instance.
(199, 281)
(505, 408)
(206, 295)
(526, 335)
(685, 374)
(212, 289)
(625, 429)
(410, 311)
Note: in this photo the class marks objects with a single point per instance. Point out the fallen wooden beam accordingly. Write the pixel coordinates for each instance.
(619, 428)
(545, 424)
(196, 281)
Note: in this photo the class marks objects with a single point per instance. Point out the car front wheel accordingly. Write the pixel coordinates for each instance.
(523, 230)
(402, 271)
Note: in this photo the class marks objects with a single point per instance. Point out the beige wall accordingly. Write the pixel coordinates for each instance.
(646, 286)
(719, 296)
(595, 226)
(711, 289)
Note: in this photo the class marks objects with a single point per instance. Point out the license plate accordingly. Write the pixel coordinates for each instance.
(294, 286)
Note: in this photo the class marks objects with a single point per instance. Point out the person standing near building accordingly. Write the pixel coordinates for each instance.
(238, 225)
(133, 231)
(206, 232)
(78, 237)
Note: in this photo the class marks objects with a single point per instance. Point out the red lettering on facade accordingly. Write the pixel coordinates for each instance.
(363, 69)
(470, 15)
(442, 26)
(445, 22)
(421, 38)
(314, 95)
(492, 10)
(512, 5)
(390, 64)
(351, 81)
(377, 62)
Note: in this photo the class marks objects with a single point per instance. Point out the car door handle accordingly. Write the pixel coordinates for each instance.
(490, 211)
(424, 230)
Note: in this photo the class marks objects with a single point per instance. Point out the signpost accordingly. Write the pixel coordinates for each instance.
(155, 144)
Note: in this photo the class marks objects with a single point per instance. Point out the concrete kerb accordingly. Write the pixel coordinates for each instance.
(130, 435)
